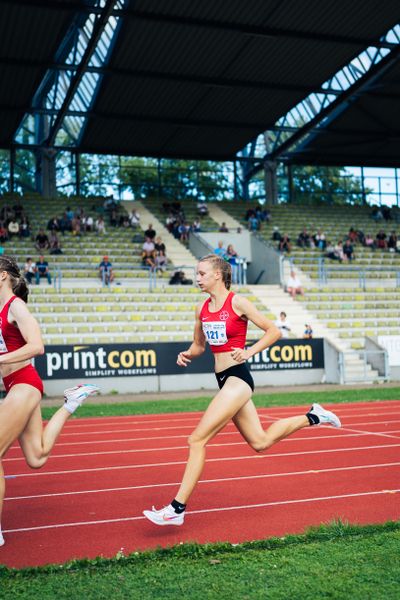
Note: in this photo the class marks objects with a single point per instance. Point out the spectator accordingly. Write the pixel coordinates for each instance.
(381, 240)
(293, 285)
(42, 241)
(18, 210)
(202, 209)
(376, 214)
(196, 225)
(3, 233)
(392, 242)
(320, 240)
(283, 325)
(134, 219)
(223, 228)
(179, 277)
(352, 235)
(106, 271)
(170, 222)
(303, 240)
(386, 213)
(284, 244)
(13, 228)
(65, 223)
(53, 224)
(150, 233)
(348, 250)
(87, 223)
(183, 232)
(55, 246)
(308, 332)
(113, 218)
(253, 223)
(100, 226)
(24, 229)
(331, 252)
(148, 254)
(76, 226)
(369, 241)
(220, 250)
(239, 230)
(29, 269)
(233, 259)
(339, 251)
(276, 236)
(69, 213)
(160, 254)
(42, 270)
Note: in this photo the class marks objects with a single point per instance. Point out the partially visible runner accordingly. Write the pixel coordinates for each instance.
(20, 416)
(222, 322)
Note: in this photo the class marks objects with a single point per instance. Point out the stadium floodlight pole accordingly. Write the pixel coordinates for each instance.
(98, 28)
(334, 109)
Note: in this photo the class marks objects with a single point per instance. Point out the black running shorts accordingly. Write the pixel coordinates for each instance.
(241, 371)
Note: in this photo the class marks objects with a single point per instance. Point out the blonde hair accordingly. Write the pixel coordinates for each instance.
(220, 264)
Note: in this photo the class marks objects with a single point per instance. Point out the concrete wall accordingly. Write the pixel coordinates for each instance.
(332, 369)
(265, 261)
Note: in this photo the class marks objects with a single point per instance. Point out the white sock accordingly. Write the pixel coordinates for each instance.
(2, 542)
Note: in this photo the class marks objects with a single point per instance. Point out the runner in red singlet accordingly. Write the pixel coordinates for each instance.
(20, 416)
(222, 322)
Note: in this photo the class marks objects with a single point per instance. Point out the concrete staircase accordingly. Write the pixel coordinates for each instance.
(177, 254)
(221, 216)
(276, 300)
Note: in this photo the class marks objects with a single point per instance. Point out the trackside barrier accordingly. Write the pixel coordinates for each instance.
(377, 359)
(57, 277)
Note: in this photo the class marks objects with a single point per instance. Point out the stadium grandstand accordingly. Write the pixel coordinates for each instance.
(271, 128)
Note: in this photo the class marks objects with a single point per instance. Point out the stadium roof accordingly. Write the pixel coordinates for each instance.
(185, 79)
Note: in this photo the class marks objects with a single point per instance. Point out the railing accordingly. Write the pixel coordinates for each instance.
(57, 277)
(377, 359)
(326, 271)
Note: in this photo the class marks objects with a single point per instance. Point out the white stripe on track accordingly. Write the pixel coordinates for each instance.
(209, 460)
(205, 511)
(219, 480)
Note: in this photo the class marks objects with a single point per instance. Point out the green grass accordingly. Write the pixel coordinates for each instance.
(336, 561)
(274, 399)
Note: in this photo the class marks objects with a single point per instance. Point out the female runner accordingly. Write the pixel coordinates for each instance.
(20, 340)
(222, 322)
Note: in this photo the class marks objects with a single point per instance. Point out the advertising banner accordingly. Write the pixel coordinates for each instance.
(138, 360)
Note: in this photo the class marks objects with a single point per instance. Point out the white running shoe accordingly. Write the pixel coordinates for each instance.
(324, 416)
(74, 397)
(164, 516)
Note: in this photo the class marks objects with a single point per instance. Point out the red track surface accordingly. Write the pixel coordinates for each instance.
(88, 499)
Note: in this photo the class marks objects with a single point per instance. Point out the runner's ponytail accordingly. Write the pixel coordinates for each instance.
(18, 283)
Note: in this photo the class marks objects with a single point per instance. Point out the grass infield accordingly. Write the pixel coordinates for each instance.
(335, 561)
(193, 404)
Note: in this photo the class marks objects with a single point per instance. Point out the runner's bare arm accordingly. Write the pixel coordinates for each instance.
(198, 345)
(245, 308)
(30, 331)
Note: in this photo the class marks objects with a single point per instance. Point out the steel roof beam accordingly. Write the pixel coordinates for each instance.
(80, 71)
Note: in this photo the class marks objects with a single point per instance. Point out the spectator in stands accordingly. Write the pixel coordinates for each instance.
(386, 213)
(251, 212)
(55, 246)
(369, 241)
(106, 272)
(220, 250)
(100, 226)
(293, 285)
(276, 235)
(283, 325)
(160, 254)
(65, 223)
(202, 209)
(134, 219)
(223, 228)
(150, 233)
(53, 224)
(308, 332)
(196, 225)
(179, 278)
(284, 244)
(13, 228)
(381, 240)
(87, 223)
(42, 241)
(148, 253)
(183, 231)
(320, 240)
(24, 229)
(339, 251)
(392, 242)
(376, 214)
(18, 210)
(233, 259)
(29, 269)
(303, 239)
(253, 223)
(348, 250)
(352, 235)
(3, 233)
(42, 270)
(263, 214)
(76, 226)
(360, 237)
(331, 252)
(170, 222)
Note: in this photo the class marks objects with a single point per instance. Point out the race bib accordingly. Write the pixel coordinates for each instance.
(215, 332)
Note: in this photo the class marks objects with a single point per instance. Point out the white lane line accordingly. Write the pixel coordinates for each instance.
(219, 480)
(207, 510)
(235, 433)
(378, 433)
(190, 427)
(160, 449)
(209, 460)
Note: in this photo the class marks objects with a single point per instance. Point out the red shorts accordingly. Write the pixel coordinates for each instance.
(27, 375)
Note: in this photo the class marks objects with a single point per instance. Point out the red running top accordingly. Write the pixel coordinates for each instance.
(224, 329)
(10, 336)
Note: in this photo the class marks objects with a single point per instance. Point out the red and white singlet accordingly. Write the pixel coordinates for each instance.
(10, 336)
(224, 329)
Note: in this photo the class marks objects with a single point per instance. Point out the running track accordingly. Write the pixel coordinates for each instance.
(88, 499)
